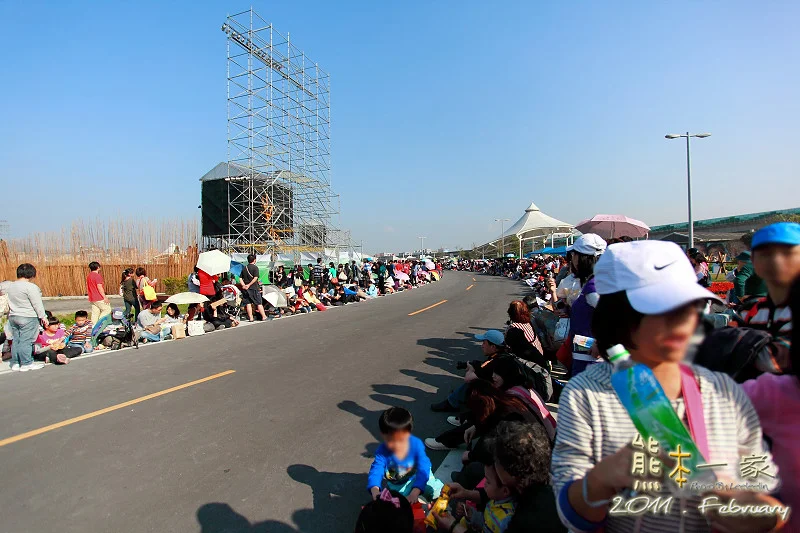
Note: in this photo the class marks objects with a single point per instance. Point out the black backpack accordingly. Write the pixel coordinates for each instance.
(527, 374)
(733, 351)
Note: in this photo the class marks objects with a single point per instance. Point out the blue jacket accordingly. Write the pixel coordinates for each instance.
(387, 466)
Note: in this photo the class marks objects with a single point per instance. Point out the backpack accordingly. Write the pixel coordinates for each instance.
(523, 372)
(538, 409)
(538, 377)
(733, 351)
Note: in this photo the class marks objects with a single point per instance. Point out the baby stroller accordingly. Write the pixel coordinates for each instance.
(119, 333)
(233, 300)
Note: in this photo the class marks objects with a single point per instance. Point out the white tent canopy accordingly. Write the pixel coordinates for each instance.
(534, 225)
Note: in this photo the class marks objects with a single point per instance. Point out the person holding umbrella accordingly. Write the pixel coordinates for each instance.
(210, 264)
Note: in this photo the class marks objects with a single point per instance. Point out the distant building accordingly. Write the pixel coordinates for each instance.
(717, 233)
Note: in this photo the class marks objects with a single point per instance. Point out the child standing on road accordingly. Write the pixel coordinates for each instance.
(400, 462)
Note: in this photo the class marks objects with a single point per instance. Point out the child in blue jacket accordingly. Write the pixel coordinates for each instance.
(401, 463)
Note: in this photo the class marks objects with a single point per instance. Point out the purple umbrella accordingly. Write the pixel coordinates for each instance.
(611, 226)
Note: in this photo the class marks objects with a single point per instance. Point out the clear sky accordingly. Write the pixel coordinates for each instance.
(446, 115)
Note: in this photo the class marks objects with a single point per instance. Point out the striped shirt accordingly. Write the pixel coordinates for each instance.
(593, 424)
(775, 357)
(79, 335)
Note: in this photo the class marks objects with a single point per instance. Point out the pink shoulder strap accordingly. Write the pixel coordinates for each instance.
(694, 410)
(539, 409)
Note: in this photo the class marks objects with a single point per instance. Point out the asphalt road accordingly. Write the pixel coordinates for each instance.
(281, 445)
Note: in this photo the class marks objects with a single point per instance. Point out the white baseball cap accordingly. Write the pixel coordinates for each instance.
(656, 276)
(589, 244)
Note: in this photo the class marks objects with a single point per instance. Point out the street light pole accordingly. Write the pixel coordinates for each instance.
(689, 192)
(502, 222)
(422, 244)
(689, 176)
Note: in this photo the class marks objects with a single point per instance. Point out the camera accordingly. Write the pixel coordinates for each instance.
(461, 365)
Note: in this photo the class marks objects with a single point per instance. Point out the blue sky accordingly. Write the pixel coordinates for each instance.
(446, 115)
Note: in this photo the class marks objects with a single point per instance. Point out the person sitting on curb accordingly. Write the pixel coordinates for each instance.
(217, 316)
(51, 345)
(517, 496)
(149, 322)
(80, 333)
(492, 344)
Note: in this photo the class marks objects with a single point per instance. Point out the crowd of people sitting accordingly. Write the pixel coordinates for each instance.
(523, 472)
(735, 387)
(32, 337)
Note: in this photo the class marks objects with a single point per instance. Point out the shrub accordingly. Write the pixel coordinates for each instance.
(175, 285)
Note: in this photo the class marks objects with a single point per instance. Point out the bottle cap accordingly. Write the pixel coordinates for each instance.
(617, 352)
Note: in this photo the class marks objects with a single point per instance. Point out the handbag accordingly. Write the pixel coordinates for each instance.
(195, 327)
(178, 331)
(149, 293)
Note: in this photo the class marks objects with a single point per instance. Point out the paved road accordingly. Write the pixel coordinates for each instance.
(281, 445)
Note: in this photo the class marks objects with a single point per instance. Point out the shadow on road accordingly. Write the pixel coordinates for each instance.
(221, 518)
(337, 499)
(338, 496)
(443, 354)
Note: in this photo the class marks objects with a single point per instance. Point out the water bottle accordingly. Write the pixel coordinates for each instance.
(652, 413)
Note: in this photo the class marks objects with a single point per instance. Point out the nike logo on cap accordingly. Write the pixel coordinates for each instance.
(662, 267)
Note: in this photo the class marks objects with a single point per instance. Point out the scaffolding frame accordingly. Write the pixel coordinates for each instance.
(279, 130)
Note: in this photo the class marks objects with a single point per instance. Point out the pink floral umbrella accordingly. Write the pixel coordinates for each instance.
(614, 226)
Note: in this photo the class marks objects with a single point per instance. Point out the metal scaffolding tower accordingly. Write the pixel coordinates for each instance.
(279, 147)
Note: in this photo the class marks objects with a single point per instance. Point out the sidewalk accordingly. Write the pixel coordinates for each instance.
(66, 305)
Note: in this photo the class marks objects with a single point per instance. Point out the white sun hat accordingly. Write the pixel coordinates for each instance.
(589, 244)
(656, 276)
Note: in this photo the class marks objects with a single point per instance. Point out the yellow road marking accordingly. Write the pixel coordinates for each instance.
(473, 279)
(425, 309)
(51, 427)
(468, 288)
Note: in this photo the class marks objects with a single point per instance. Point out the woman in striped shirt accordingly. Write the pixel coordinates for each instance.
(649, 302)
(521, 339)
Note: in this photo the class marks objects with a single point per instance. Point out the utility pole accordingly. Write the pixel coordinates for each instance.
(502, 222)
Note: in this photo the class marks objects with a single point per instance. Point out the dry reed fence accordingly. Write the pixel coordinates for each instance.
(166, 248)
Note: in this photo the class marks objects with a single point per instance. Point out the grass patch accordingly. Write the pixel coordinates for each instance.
(67, 320)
